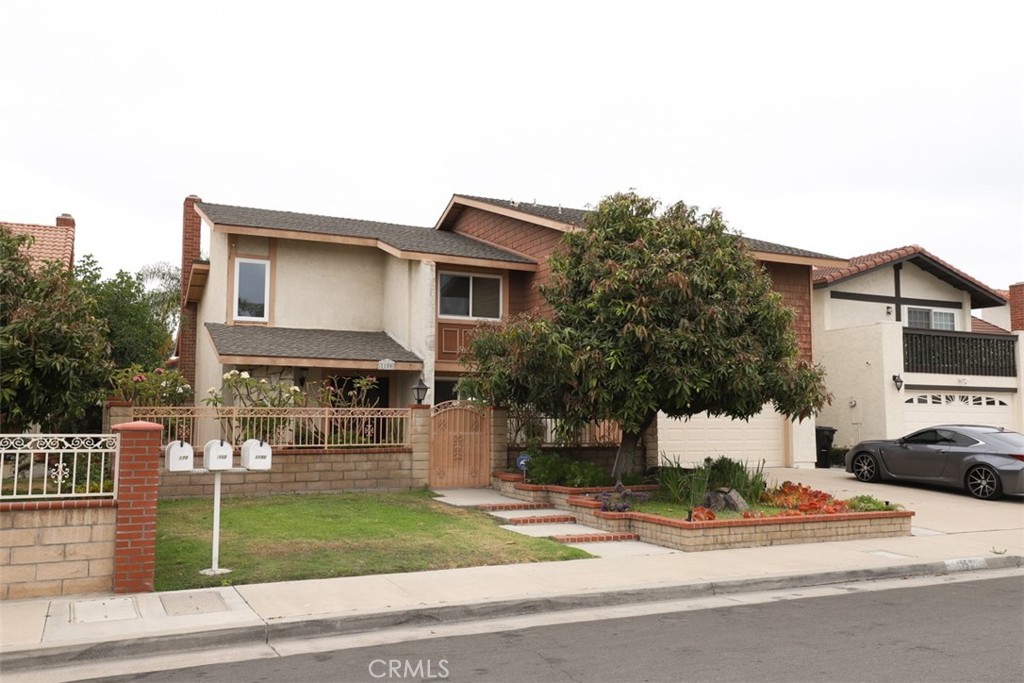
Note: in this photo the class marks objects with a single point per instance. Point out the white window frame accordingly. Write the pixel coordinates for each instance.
(931, 318)
(471, 276)
(266, 290)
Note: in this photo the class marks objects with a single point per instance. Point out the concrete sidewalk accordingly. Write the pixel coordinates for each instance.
(952, 532)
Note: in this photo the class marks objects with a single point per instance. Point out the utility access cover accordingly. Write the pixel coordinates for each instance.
(111, 609)
(194, 602)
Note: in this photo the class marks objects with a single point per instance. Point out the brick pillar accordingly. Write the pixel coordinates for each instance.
(419, 439)
(137, 483)
(499, 439)
(1017, 307)
(191, 232)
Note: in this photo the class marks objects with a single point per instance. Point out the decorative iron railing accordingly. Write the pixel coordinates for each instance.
(525, 430)
(959, 353)
(303, 428)
(46, 466)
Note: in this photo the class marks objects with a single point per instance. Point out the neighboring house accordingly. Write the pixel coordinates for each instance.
(302, 298)
(51, 242)
(535, 230)
(903, 317)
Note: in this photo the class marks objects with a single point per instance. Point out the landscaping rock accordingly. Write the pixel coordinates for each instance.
(720, 499)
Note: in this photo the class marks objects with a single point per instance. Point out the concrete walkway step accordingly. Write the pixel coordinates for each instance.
(599, 537)
(543, 519)
(511, 505)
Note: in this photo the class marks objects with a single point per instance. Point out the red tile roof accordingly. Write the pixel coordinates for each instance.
(981, 294)
(985, 327)
(52, 242)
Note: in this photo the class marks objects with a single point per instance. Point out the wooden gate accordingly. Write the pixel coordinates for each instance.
(460, 445)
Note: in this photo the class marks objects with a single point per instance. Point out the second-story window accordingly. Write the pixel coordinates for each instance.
(928, 319)
(469, 296)
(252, 289)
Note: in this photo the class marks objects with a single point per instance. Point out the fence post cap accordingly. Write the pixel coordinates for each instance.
(137, 426)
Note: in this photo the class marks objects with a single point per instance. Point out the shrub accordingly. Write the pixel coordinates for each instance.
(558, 470)
(870, 504)
(158, 387)
(585, 474)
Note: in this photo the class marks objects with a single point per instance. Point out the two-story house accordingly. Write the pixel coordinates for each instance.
(896, 334)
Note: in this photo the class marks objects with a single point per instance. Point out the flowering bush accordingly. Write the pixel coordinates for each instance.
(158, 387)
(347, 392)
(250, 392)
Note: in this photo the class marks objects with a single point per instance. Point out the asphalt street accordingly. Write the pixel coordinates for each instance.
(964, 631)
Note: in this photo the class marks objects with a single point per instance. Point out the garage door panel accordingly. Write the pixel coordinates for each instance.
(690, 441)
(925, 409)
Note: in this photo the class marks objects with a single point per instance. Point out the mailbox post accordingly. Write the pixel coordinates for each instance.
(218, 458)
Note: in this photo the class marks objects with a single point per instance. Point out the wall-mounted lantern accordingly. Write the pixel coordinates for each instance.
(419, 391)
(898, 381)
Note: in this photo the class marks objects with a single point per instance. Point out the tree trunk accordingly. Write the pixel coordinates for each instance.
(625, 457)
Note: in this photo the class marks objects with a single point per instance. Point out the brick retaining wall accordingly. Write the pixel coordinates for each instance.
(711, 535)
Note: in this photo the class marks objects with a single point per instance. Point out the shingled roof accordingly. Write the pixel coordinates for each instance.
(51, 242)
(982, 296)
(554, 213)
(287, 342)
(575, 218)
(407, 238)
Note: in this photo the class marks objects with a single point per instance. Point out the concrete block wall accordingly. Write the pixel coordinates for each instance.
(53, 550)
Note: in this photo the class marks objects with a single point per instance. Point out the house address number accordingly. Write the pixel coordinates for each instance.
(386, 364)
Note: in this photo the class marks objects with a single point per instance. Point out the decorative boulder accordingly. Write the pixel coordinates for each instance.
(720, 499)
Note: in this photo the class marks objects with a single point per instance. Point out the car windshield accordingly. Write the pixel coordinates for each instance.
(1011, 439)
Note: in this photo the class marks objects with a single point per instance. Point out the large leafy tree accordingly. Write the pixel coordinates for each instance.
(54, 361)
(163, 291)
(649, 312)
(137, 331)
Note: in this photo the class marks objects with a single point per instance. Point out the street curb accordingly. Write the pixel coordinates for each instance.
(336, 625)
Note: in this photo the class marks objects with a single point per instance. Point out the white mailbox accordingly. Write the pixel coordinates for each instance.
(178, 457)
(217, 455)
(256, 455)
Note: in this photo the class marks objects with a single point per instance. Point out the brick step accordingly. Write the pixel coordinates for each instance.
(495, 507)
(542, 519)
(593, 538)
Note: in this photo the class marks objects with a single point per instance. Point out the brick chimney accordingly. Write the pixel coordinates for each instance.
(1017, 307)
(191, 230)
(66, 220)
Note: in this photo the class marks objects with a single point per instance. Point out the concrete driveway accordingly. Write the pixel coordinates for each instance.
(938, 510)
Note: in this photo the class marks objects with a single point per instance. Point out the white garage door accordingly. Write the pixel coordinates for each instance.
(927, 409)
(691, 441)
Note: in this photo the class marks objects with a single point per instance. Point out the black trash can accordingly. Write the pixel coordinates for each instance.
(823, 440)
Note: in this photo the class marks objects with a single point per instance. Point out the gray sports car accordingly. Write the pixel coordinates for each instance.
(987, 461)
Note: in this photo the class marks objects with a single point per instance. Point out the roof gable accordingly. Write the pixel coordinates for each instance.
(982, 296)
(566, 219)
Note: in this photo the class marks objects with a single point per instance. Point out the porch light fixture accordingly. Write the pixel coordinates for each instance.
(898, 381)
(419, 391)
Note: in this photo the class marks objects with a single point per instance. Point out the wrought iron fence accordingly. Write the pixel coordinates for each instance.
(959, 353)
(303, 428)
(46, 466)
(529, 429)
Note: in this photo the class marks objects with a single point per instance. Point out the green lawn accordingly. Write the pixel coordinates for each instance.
(291, 537)
(667, 508)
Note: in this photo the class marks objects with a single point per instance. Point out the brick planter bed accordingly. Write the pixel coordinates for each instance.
(712, 535)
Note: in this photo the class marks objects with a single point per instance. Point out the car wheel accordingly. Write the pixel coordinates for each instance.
(865, 467)
(983, 482)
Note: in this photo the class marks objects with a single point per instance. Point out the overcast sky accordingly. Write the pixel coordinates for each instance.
(844, 128)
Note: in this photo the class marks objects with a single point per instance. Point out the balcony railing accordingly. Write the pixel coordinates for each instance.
(959, 353)
(58, 466)
(302, 428)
